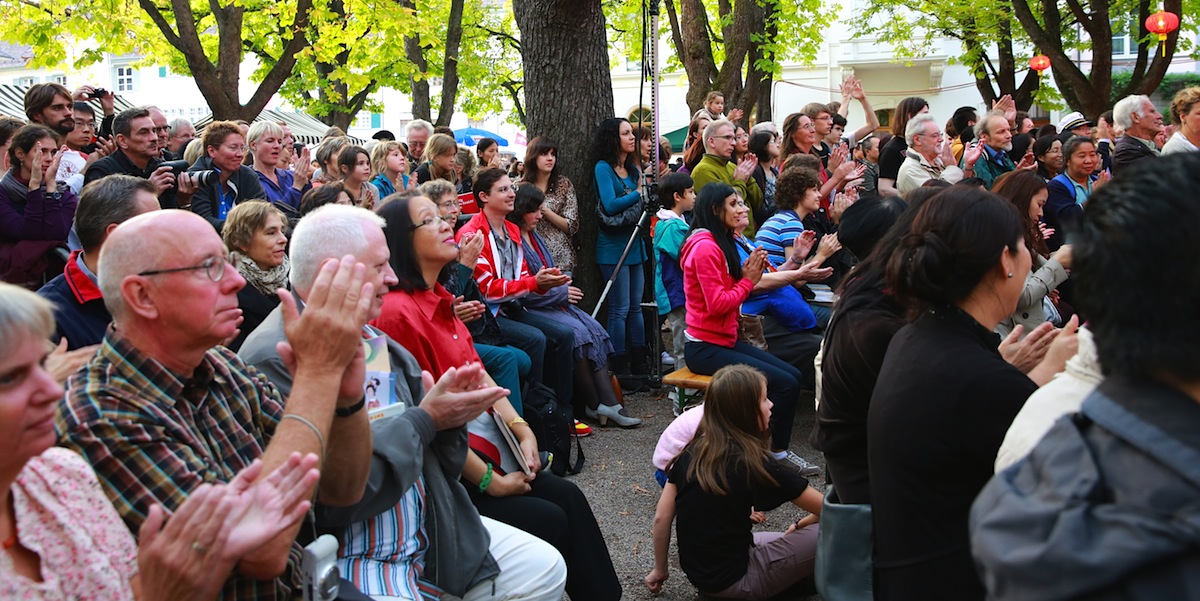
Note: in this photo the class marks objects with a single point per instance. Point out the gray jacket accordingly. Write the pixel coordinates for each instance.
(404, 447)
(1106, 506)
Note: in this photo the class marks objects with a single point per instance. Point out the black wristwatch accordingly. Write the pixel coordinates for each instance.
(56, 195)
(352, 409)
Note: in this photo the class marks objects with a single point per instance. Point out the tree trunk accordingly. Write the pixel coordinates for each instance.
(454, 31)
(697, 54)
(565, 41)
(419, 85)
(218, 83)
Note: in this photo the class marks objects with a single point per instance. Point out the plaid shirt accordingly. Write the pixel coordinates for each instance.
(153, 436)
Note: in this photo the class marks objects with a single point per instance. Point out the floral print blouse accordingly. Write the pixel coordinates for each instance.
(86, 551)
(561, 200)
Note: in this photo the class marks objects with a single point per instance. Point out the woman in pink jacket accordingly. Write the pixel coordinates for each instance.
(715, 286)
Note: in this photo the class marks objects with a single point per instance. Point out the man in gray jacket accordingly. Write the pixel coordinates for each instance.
(415, 529)
(1106, 505)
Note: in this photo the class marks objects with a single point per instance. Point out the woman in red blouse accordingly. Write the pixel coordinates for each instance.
(419, 314)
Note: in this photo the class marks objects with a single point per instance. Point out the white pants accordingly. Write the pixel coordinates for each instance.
(530, 568)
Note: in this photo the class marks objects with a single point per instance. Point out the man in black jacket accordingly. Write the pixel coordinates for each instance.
(136, 155)
(1142, 122)
(1104, 507)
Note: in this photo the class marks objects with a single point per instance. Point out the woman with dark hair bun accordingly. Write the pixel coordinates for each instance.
(945, 396)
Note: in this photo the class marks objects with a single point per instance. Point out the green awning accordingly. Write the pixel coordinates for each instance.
(677, 138)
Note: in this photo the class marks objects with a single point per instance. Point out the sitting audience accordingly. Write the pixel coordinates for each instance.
(504, 486)
(163, 409)
(62, 537)
(320, 196)
(945, 396)
(80, 316)
(412, 510)
(592, 347)
(1068, 192)
(354, 168)
(1142, 123)
(1104, 506)
(257, 245)
(928, 157)
(438, 160)
(137, 155)
(1185, 111)
(725, 473)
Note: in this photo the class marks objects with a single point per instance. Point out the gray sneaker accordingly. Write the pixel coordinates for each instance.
(797, 464)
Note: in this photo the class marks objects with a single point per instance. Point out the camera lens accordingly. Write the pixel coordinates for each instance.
(329, 584)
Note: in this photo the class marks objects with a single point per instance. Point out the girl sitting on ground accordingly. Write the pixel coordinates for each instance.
(716, 482)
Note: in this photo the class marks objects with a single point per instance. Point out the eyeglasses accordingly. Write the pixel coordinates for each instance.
(85, 125)
(424, 222)
(214, 268)
(729, 137)
(938, 135)
(453, 203)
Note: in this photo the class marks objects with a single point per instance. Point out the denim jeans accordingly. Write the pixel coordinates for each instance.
(555, 366)
(625, 324)
(509, 366)
(783, 380)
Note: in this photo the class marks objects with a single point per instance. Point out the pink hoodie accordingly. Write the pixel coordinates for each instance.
(714, 300)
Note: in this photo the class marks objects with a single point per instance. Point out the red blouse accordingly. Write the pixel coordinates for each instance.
(423, 322)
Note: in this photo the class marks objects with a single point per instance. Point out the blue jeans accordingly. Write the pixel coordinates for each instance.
(552, 345)
(508, 366)
(783, 380)
(625, 325)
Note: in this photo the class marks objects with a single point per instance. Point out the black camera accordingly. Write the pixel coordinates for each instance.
(98, 93)
(202, 178)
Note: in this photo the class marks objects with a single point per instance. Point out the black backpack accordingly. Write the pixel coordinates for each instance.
(553, 426)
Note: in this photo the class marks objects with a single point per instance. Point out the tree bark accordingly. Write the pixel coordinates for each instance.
(218, 83)
(454, 32)
(697, 54)
(568, 92)
(1089, 93)
(419, 85)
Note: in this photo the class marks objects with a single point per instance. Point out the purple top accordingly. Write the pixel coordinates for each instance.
(284, 192)
(34, 214)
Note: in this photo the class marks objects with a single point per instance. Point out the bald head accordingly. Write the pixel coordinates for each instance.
(150, 241)
(161, 128)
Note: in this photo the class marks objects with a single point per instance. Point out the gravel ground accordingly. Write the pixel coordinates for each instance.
(619, 482)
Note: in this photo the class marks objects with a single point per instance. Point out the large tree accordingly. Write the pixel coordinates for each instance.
(735, 46)
(1053, 30)
(986, 33)
(565, 41)
(206, 40)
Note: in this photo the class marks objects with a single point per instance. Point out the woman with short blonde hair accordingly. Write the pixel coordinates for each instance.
(255, 236)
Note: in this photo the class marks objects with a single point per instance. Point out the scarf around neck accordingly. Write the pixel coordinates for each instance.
(266, 281)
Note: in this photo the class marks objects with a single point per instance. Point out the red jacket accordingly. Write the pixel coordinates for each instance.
(487, 271)
(714, 300)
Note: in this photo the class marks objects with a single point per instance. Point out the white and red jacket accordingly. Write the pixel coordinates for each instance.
(495, 287)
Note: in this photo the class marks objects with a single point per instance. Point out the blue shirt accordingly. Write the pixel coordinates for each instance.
(284, 192)
(615, 194)
(785, 304)
(778, 233)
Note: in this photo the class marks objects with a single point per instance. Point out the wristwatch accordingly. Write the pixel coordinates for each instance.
(352, 409)
(56, 195)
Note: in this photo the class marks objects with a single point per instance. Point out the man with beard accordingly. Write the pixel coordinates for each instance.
(995, 133)
(52, 105)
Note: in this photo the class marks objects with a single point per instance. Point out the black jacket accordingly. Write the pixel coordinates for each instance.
(206, 202)
(1104, 507)
(118, 162)
(1127, 151)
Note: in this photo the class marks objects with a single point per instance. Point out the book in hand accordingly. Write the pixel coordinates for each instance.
(514, 446)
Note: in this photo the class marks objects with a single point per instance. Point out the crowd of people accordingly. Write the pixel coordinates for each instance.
(238, 342)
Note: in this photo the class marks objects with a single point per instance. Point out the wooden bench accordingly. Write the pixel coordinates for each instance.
(684, 380)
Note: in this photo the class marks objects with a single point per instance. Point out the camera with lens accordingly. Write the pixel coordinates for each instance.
(321, 577)
(98, 93)
(202, 178)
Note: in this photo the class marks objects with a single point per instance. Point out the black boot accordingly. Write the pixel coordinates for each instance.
(619, 366)
(639, 361)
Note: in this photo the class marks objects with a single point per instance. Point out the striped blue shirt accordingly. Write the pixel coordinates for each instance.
(777, 233)
(385, 555)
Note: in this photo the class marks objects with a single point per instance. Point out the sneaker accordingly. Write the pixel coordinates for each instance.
(582, 429)
(667, 359)
(798, 464)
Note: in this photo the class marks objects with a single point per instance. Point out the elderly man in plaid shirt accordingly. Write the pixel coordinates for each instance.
(163, 408)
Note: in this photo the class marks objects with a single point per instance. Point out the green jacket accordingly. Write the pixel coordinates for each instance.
(713, 168)
(988, 169)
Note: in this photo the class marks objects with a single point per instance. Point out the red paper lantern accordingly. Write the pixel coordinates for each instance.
(1039, 63)
(1162, 23)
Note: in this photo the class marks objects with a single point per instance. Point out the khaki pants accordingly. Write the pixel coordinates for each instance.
(777, 561)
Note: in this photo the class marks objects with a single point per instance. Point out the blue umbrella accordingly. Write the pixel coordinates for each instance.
(468, 136)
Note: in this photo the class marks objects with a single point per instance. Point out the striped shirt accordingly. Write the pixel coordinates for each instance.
(778, 233)
(385, 555)
(153, 436)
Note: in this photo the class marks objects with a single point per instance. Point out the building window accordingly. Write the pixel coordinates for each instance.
(641, 114)
(59, 79)
(24, 81)
(125, 77)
